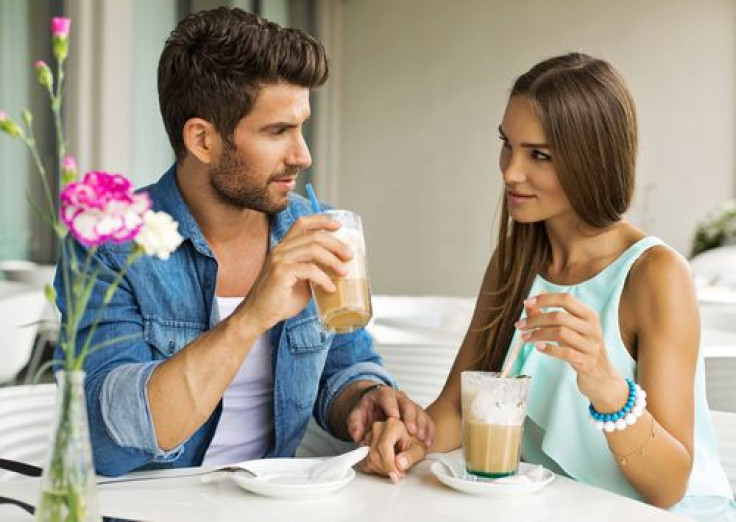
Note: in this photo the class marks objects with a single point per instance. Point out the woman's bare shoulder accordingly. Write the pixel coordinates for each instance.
(660, 266)
(662, 292)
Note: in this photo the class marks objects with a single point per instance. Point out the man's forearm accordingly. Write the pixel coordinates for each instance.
(344, 403)
(184, 390)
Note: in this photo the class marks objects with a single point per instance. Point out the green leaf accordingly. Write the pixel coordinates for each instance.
(50, 293)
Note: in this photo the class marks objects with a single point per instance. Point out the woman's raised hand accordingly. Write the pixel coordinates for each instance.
(561, 326)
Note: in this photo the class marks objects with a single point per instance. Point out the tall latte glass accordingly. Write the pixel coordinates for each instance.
(493, 412)
(349, 307)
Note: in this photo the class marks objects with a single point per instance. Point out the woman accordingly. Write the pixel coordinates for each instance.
(593, 299)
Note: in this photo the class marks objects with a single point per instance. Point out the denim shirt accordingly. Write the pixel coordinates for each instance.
(162, 306)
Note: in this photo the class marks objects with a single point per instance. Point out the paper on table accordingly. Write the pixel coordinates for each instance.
(456, 466)
(525, 476)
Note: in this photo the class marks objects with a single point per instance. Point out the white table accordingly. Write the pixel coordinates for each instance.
(368, 498)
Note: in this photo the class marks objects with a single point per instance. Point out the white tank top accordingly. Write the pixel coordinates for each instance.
(245, 429)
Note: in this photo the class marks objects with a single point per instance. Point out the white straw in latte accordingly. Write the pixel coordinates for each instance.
(511, 359)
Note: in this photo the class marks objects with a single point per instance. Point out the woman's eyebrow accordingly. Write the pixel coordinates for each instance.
(525, 144)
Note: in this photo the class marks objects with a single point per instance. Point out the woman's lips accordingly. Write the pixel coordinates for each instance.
(516, 198)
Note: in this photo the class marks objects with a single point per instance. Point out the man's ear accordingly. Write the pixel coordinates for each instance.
(201, 140)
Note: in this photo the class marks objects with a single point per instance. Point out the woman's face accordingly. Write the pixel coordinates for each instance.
(533, 190)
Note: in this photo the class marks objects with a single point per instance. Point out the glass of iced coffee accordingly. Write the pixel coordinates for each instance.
(493, 412)
(349, 307)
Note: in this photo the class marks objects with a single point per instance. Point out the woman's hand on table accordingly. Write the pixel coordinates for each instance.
(393, 449)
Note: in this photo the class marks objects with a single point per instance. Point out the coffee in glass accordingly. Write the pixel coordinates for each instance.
(493, 412)
(349, 307)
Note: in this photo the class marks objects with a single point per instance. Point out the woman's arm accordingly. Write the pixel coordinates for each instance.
(659, 310)
(666, 324)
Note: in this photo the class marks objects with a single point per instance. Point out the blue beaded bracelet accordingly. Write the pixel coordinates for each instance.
(626, 416)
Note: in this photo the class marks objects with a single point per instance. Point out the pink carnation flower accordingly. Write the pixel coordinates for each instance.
(43, 71)
(60, 26)
(69, 163)
(103, 208)
(68, 170)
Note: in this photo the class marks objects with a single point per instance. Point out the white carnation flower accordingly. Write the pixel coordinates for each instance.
(159, 235)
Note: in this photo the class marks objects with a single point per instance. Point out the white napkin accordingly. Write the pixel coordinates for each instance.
(456, 466)
(526, 475)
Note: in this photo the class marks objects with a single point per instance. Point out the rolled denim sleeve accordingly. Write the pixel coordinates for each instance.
(132, 425)
(121, 428)
(352, 358)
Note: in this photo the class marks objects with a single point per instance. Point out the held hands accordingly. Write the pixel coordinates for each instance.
(393, 449)
(306, 254)
(382, 403)
(396, 428)
(577, 332)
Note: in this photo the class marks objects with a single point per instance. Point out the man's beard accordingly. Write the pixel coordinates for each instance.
(234, 185)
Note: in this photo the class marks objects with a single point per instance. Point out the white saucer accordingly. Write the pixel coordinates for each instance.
(287, 478)
(505, 486)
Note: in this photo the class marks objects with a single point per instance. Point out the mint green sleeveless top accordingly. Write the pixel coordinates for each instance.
(557, 432)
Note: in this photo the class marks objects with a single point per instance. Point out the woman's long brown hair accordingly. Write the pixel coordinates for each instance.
(589, 120)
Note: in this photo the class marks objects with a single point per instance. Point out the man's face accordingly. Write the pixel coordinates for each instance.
(260, 172)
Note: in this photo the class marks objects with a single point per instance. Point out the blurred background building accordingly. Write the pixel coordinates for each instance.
(405, 130)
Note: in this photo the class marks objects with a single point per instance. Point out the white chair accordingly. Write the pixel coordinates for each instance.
(318, 443)
(419, 370)
(718, 317)
(718, 344)
(26, 419)
(725, 426)
(21, 309)
(437, 320)
(418, 338)
(716, 266)
(36, 276)
(720, 373)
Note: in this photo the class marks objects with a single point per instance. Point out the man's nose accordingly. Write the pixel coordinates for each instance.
(299, 154)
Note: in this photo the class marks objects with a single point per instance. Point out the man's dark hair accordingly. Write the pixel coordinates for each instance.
(215, 62)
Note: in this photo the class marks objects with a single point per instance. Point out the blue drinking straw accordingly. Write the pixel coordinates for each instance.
(313, 199)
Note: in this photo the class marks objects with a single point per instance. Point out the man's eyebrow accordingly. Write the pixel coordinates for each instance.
(525, 144)
(279, 125)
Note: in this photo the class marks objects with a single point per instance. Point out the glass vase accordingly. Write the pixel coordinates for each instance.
(68, 484)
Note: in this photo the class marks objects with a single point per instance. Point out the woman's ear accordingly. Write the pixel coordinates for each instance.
(201, 140)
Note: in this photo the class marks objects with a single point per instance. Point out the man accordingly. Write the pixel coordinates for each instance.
(231, 360)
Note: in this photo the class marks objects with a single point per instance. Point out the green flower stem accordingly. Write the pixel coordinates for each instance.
(81, 306)
(30, 142)
(84, 278)
(43, 215)
(70, 325)
(132, 257)
(44, 367)
(77, 296)
(56, 101)
(59, 479)
(67, 489)
(110, 342)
